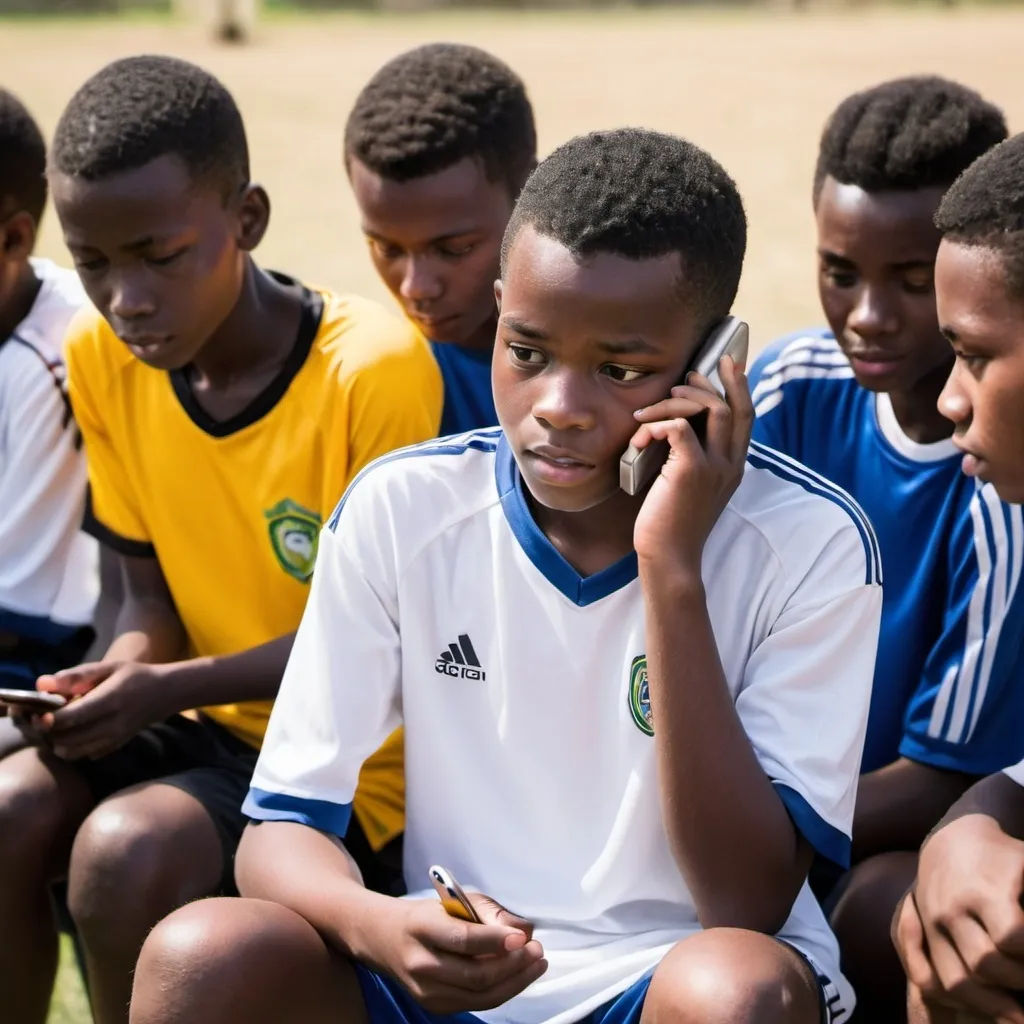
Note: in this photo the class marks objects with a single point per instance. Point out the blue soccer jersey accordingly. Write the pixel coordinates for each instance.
(949, 678)
(468, 401)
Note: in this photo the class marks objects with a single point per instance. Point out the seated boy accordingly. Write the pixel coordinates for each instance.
(857, 403)
(224, 409)
(48, 567)
(961, 930)
(437, 148)
(628, 719)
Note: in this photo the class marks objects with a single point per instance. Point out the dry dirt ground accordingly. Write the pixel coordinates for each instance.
(753, 86)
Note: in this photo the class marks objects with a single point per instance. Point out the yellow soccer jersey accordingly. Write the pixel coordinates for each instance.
(232, 509)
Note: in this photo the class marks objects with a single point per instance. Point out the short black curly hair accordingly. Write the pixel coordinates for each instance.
(641, 194)
(907, 134)
(435, 105)
(138, 109)
(22, 160)
(985, 207)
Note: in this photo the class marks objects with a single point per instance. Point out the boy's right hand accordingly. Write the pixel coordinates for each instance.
(452, 966)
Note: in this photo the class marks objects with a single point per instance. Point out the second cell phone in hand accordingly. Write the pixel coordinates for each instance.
(453, 898)
(639, 466)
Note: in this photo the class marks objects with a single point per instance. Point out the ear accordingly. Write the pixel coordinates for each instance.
(253, 216)
(18, 236)
(497, 293)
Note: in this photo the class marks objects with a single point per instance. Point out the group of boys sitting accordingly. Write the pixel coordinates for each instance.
(683, 746)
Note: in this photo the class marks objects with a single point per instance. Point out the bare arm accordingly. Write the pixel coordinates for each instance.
(740, 853)
(147, 628)
(898, 805)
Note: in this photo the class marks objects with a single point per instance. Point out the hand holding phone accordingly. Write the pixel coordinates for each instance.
(453, 897)
(639, 466)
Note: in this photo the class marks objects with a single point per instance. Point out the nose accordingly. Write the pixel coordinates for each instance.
(130, 298)
(875, 313)
(420, 282)
(953, 402)
(564, 402)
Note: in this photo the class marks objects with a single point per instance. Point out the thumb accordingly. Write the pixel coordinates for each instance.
(491, 911)
(74, 682)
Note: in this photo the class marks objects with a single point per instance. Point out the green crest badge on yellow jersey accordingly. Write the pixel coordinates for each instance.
(640, 695)
(294, 532)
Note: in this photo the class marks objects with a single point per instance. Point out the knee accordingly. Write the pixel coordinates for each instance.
(236, 956)
(730, 976)
(31, 814)
(120, 867)
(863, 913)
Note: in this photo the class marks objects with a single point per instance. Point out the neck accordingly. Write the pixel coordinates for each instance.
(595, 538)
(917, 411)
(252, 335)
(17, 297)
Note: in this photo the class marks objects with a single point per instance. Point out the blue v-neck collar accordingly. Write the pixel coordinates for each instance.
(581, 590)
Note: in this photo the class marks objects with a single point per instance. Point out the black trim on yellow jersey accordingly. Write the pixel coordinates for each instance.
(105, 535)
(264, 402)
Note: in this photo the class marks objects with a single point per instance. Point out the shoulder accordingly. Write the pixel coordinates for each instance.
(60, 297)
(806, 359)
(452, 476)
(357, 334)
(990, 532)
(805, 518)
(95, 356)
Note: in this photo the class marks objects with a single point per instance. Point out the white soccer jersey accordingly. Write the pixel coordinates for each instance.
(48, 568)
(530, 758)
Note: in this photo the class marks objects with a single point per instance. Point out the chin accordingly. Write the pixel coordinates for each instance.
(567, 499)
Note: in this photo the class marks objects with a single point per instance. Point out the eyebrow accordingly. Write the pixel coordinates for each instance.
(446, 237)
(832, 257)
(628, 346)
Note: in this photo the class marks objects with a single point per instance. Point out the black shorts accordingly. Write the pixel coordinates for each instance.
(212, 765)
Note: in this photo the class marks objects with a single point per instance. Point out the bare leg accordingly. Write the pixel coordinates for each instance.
(861, 920)
(140, 855)
(732, 976)
(228, 960)
(42, 802)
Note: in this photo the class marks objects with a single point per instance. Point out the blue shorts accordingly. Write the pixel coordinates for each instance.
(387, 1002)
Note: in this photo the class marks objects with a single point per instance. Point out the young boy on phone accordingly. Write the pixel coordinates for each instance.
(437, 147)
(224, 409)
(856, 402)
(961, 930)
(628, 720)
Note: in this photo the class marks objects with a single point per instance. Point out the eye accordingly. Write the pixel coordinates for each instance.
(90, 266)
(973, 362)
(919, 282)
(168, 260)
(527, 356)
(839, 277)
(456, 251)
(624, 374)
(385, 250)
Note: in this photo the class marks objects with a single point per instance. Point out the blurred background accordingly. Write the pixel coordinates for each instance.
(751, 82)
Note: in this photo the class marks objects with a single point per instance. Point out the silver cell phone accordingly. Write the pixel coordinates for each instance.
(639, 466)
(31, 700)
(453, 897)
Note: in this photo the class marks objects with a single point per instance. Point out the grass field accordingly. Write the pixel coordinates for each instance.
(752, 86)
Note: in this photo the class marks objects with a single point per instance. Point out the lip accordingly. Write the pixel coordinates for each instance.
(433, 323)
(147, 344)
(972, 464)
(558, 467)
(874, 363)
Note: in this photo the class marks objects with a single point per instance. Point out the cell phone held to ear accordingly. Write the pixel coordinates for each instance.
(639, 466)
(32, 702)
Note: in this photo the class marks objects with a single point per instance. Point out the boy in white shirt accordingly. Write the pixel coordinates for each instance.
(48, 567)
(631, 719)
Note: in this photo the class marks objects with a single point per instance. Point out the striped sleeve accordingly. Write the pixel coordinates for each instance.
(967, 712)
(779, 387)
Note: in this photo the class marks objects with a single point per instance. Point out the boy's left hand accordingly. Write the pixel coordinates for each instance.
(111, 703)
(696, 483)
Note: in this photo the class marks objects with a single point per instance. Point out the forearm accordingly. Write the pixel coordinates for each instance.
(997, 797)
(254, 674)
(732, 837)
(312, 874)
(898, 805)
(147, 630)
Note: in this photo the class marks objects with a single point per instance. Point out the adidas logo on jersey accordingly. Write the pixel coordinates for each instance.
(460, 661)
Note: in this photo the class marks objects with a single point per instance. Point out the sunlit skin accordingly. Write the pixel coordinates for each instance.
(165, 260)
(436, 243)
(984, 395)
(582, 345)
(876, 258)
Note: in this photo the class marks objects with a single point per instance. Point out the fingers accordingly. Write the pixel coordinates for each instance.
(986, 961)
(442, 996)
(74, 682)
(491, 911)
(450, 935)
(737, 394)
